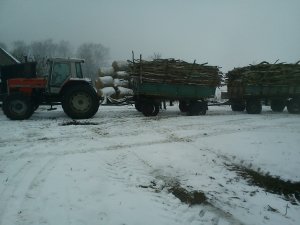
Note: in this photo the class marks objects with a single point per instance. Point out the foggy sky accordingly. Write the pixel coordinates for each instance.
(227, 33)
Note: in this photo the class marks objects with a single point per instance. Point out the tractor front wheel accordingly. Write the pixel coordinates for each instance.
(80, 102)
(18, 106)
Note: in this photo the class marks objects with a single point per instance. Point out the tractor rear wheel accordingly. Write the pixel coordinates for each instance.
(18, 106)
(80, 102)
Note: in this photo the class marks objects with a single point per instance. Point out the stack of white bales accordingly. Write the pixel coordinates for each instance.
(113, 81)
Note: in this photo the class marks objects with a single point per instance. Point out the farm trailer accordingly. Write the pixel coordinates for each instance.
(160, 80)
(250, 97)
(278, 83)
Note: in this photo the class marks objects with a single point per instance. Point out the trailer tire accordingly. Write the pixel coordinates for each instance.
(277, 105)
(150, 109)
(80, 102)
(183, 106)
(18, 106)
(253, 106)
(237, 106)
(293, 106)
(138, 106)
(197, 108)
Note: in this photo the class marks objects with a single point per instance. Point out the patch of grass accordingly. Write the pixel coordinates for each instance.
(275, 185)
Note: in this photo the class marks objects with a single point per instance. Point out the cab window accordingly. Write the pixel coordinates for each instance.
(78, 70)
(60, 72)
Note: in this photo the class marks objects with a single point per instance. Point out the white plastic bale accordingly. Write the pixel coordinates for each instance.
(106, 81)
(122, 91)
(122, 74)
(120, 82)
(107, 71)
(108, 91)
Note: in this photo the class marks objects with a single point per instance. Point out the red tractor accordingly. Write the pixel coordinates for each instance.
(64, 84)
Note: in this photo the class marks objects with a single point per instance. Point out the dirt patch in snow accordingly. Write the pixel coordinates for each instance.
(184, 195)
(76, 123)
(275, 185)
(188, 197)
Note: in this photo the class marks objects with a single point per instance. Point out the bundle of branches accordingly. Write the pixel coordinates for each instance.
(265, 73)
(175, 71)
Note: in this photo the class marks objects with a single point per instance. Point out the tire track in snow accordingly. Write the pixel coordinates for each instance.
(31, 204)
(13, 195)
(11, 187)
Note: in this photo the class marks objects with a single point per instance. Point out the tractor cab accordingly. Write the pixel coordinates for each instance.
(61, 71)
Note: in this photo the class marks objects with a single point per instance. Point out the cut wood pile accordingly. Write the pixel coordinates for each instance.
(113, 82)
(173, 71)
(265, 73)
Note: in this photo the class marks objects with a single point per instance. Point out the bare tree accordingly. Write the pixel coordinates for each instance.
(64, 49)
(95, 55)
(156, 55)
(19, 50)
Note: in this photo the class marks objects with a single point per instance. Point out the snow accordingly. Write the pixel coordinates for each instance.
(51, 173)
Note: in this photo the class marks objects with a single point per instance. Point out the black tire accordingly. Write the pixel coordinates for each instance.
(277, 105)
(138, 106)
(18, 106)
(253, 106)
(183, 106)
(150, 109)
(293, 106)
(238, 106)
(80, 102)
(197, 108)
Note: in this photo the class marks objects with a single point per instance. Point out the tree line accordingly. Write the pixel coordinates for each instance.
(95, 54)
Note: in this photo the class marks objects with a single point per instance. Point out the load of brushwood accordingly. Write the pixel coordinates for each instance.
(173, 71)
(265, 73)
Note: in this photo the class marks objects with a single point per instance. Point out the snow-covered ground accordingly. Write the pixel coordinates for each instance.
(119, 168)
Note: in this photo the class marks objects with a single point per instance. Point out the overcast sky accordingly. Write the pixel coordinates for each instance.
(227, 33)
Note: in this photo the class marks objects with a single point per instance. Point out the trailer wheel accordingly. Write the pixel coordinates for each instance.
(293, 106)
(150, 109)
(18, 106)
(80, 102)
(183, 106)
(197, 108)
(237, 106)
(277, 105)
(138, 106)
(253, 106)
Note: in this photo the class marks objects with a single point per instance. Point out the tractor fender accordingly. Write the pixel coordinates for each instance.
(75, 82)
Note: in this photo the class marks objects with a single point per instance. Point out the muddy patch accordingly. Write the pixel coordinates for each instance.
(289, 190)
(184, 195)
(78, 123)
(188, 197)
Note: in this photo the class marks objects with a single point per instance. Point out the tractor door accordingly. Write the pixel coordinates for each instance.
(59, 73)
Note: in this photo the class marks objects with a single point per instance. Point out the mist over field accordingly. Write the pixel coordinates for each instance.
(225, 33)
